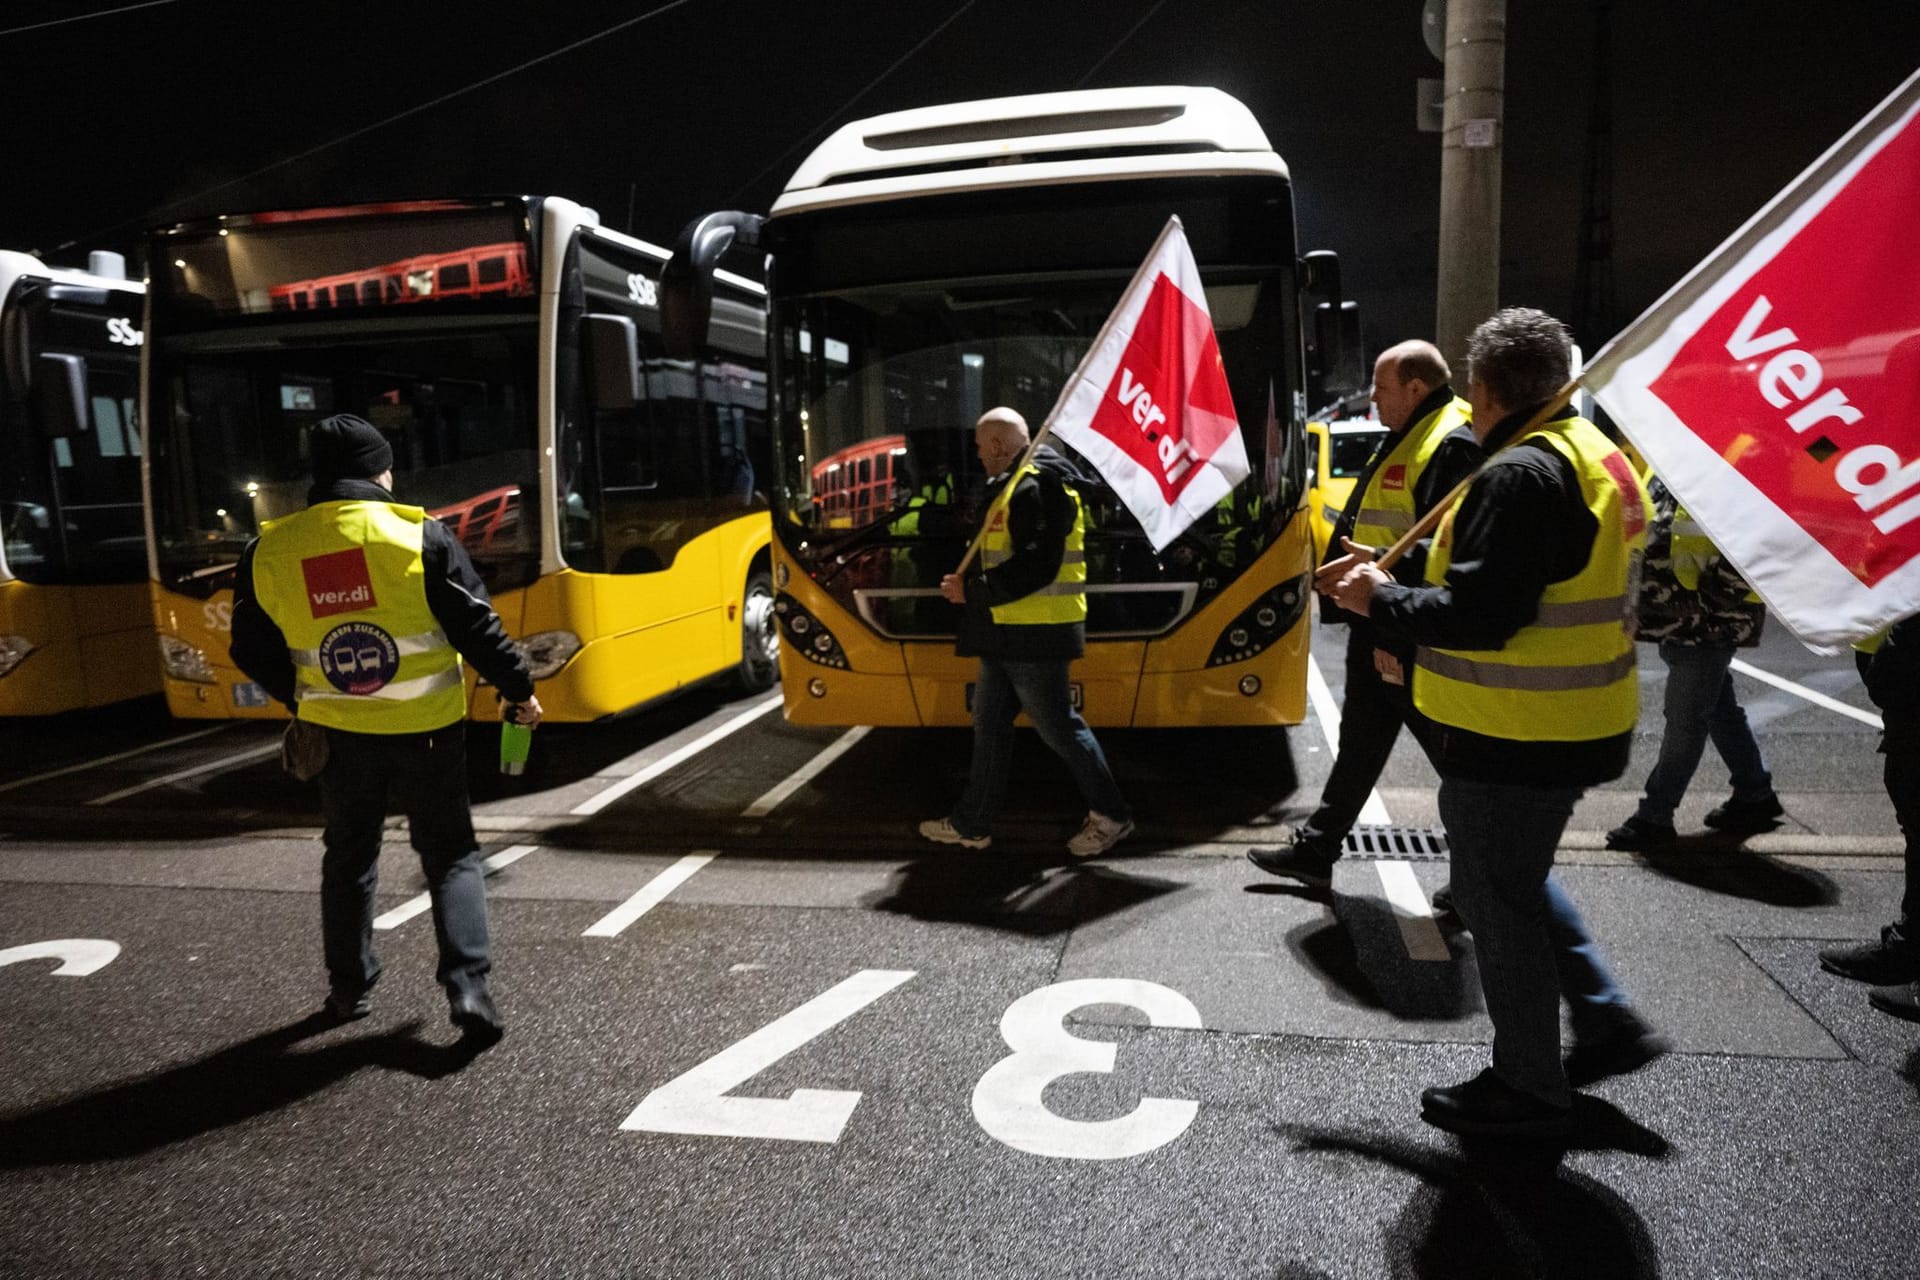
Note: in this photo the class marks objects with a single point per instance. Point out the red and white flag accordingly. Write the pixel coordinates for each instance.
(1776, 389)
(1149, 406)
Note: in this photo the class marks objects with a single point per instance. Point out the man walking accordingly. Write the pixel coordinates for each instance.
(355, 613)
(1026, 610)
(1428, 451)
(1526, 694)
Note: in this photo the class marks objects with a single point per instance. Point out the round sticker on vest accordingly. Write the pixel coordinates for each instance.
(358, 657)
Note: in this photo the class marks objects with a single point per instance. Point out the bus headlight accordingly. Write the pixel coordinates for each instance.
(1262, 622)
(805, 636)
(12, 649)
(181, 661)
(545, 652)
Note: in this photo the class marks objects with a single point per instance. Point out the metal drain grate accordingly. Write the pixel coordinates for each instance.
(1371, 841)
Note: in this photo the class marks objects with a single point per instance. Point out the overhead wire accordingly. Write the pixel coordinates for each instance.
(379, 124)
(1131, 32)
(842, 109)
(85, 17)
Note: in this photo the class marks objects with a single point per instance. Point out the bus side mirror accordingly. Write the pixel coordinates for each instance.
(61, 389)
(686, 284)
(613, 361)
(1336, 332)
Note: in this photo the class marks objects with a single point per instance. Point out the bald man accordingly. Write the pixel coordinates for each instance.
(1429, 448)
(1026, 608)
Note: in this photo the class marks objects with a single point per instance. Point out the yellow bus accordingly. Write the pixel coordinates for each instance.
(929, 264)
(613, 498)
(75, 630)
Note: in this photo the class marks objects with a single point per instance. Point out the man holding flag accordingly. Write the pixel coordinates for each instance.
(1026, 612)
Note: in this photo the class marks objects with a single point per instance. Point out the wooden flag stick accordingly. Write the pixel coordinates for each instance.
(1432, 519)
(1066, 389)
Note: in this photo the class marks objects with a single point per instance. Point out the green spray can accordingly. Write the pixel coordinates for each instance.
(516, 740)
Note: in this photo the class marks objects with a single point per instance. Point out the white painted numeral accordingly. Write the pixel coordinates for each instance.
(78, 957)
(696, 1101)
(1007, 1101)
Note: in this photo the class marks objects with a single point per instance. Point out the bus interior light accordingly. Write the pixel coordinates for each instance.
(548, 651)
(182, 661)
(12, 650)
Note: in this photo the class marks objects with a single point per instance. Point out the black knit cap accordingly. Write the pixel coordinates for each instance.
(344, 447)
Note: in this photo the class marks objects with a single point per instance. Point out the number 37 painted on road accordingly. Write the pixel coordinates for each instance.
(1007, 1101)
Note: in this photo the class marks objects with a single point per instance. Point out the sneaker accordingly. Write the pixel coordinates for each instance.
(1443, 908)
(1878, 964)
(942, 831)
(1637, 835)
(1487, 1104)
(345, 1008)
(1297, 861)
(1631, 1045)
(1746, 817)
(1099, 834)
(1901, 1000)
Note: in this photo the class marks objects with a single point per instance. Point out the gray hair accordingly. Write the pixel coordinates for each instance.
(1521, 356)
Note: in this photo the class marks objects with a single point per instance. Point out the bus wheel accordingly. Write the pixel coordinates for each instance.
(759, 636)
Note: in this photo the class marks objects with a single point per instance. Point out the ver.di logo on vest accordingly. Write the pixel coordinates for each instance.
(358, 657)
(338, 582)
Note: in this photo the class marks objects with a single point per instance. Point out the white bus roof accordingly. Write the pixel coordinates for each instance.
(1163, 131)
(14, 265)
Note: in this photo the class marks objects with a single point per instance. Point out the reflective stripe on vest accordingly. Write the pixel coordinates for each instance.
(1386, 508)
(346, 584)
(1569, 675)
(1062, 600)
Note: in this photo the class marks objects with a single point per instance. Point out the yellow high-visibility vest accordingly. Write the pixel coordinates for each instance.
(346, 584)
(1062, 600)
(1691, 551)
(1567, 676)
(1386, 507)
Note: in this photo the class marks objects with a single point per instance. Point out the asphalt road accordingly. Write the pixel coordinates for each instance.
(755, 1028)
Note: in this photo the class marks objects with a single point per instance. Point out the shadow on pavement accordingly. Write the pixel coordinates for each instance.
(1714, 864)
(1511, 1209)
(234, 1084)
(1034, 896)
(1363, 960)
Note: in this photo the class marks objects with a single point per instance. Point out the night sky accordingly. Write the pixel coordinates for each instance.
(147, 116)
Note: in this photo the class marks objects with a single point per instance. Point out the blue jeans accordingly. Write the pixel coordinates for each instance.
(1041, 688)
(427, 773)
(1700, 704)
(1529, 940)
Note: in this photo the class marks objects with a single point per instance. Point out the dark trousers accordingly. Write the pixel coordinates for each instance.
(427, 774)
(1902, 776)
(1039, 687)
(1370, 720)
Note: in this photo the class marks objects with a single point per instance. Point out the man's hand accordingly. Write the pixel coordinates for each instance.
(525, 713)
(952, 588)
(1354, 591)
(1331, 572)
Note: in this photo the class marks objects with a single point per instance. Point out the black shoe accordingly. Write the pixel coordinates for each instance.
(1487, 1104)
(344, 1008)
(1443, 908)
(478, 1020)
(1629, 1047)
(1746, 817)
(1901, 1000)
(1297, 861)
(1637, 835)
(1880, 964)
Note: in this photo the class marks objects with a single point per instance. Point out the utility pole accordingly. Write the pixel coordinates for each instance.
(1470, 145)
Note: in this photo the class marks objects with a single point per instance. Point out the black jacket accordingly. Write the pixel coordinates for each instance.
(1521, 526)
(1039, 518)
(1892, 676)
(455, 595)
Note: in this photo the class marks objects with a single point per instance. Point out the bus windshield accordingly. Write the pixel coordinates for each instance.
(882, 382)
(70, 501)
(456, 400)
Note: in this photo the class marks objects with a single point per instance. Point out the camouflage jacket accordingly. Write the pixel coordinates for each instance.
(1721, 610)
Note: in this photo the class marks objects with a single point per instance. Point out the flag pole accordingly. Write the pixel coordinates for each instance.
(1066, 390)
(1431, 520)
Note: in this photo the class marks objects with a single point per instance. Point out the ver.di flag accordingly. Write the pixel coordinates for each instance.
(1776, 389)
(1149, 406)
